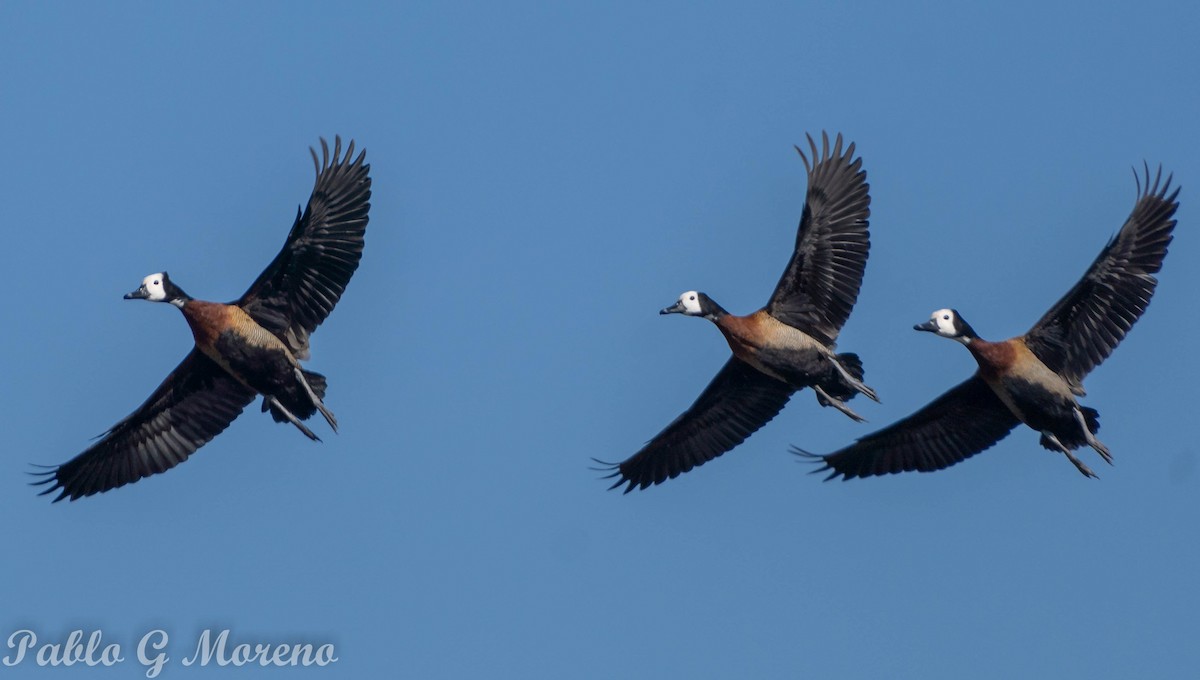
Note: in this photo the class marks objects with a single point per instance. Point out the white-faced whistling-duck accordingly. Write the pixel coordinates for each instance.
(1034, 378)
(786, 346)
(247, 347)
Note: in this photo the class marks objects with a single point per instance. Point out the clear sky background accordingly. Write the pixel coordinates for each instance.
(546, 178)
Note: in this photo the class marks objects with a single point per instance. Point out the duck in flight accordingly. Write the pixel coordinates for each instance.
(786, 346)
(244, 348)
(1034, 378)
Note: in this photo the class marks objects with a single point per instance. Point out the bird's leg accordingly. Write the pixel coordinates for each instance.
(857, 384)
(272, 401)
(824, 399)
(316, 400)
(1091, 438)
(1087, 471)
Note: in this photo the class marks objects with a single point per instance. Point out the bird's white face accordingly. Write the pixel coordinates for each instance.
(690, 302)
(944, 320)
(153, 285)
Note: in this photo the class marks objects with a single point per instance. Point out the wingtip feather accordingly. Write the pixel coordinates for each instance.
(816, 459)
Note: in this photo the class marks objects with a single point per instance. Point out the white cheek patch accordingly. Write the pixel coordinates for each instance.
(690, 302)
(944, 320)
(154, 286)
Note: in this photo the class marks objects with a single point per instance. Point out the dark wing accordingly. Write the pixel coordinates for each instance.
(193, 405)
(957, 425)
(735, 404)
(1084, 327)
(820, 285)
(306, 279)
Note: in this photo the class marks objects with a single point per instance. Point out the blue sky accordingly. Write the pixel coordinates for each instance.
(546, 178)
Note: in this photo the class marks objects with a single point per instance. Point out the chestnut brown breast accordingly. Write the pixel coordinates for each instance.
(207, 320)
(995, 358)
(748, 334)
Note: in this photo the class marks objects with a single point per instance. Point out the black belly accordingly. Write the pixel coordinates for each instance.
(1044, 409)
(268, 370)
(800, 368)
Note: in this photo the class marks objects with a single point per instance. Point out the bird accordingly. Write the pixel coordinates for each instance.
(787, 345)
(251, 346)
(1035, 378)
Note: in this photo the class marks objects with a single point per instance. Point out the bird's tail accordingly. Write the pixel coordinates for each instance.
(840, 389)
(296, 399)
(1072, 438)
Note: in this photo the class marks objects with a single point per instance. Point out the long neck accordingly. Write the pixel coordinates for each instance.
(712, 311)
(176, 296)
(966, 334)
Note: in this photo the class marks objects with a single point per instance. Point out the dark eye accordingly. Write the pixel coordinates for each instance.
(691, 297)
(946, 317)
(156, 283)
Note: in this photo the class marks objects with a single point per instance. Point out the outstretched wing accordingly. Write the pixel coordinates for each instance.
(957, 425)
(820, 285)
(737, 402)
(1084, 327)
(306, 279)
(196, 402)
